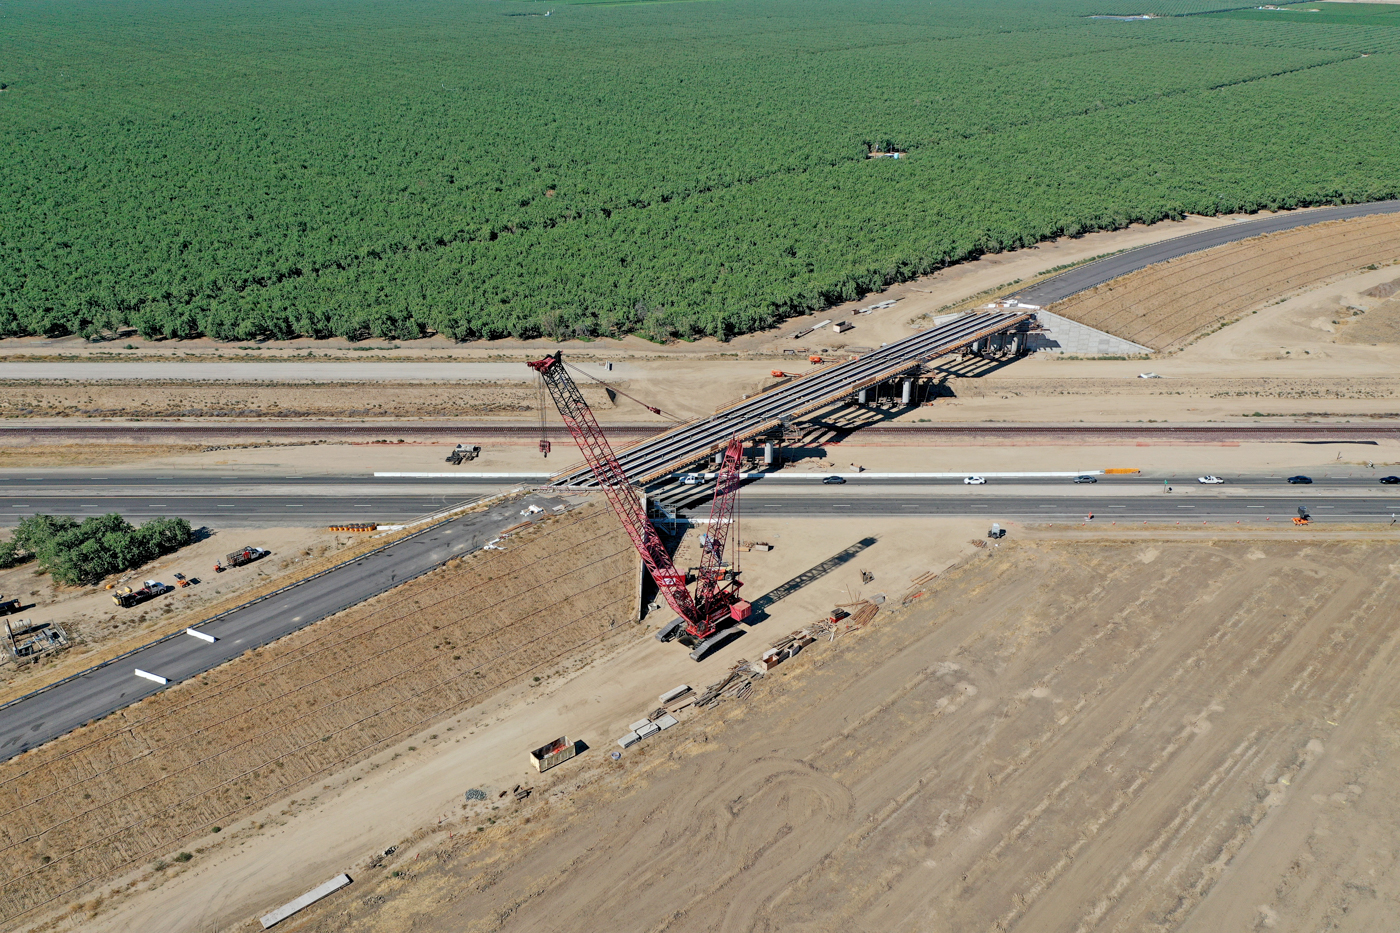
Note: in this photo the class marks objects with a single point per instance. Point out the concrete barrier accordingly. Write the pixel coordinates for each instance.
(305, 901)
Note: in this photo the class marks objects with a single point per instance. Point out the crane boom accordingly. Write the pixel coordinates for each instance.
(579, 419)
(716, 601)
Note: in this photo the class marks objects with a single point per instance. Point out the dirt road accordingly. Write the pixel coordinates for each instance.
(1064, 735)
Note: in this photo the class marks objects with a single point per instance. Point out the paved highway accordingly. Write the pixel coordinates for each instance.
(257, 500)
(33, 720)
(1047, 508)
(1096, 273)
(238, 511)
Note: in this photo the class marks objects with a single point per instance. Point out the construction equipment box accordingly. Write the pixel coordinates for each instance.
(556, 752)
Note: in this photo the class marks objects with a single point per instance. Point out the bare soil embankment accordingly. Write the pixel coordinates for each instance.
(1166, 305)
(152, 399)
(1063, 735)
(169, 769)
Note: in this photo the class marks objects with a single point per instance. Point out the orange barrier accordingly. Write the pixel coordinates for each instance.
(1121, 470)
(368, 526)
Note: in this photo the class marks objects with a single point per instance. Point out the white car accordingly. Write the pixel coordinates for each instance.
(975, 481)
(692, 479)
(1209, 480)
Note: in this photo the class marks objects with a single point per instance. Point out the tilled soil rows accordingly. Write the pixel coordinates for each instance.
(270, 400)
(1061, 735)
(1164, 306)
(200, 754)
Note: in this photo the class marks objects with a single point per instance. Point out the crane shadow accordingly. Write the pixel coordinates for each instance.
(805, 578)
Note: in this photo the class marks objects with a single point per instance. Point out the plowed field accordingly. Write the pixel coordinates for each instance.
(1061, 736)
(200, 754)
(1166, 305)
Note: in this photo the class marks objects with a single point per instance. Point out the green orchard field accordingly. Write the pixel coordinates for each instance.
(384, 168)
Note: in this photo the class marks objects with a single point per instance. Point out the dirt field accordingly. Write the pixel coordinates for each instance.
(201, 754)
(1064, 734)
(1164, 306)
(151, 399)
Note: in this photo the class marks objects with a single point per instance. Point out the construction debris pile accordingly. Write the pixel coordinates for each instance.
(738, 682)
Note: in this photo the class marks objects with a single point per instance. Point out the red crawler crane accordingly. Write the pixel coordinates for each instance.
(716, 602)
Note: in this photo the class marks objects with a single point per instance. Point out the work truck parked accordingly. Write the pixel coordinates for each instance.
(127, 597)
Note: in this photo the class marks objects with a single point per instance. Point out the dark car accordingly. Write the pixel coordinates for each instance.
(1390, 480)
(1300, 480)
(1085, 479)
(833, 480)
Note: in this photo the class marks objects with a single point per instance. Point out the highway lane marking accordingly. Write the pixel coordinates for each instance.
(1185, 506)
(222, 506)
(1254, 506)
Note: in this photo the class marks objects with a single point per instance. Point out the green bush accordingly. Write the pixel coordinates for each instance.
(76, 554)
(11, 554)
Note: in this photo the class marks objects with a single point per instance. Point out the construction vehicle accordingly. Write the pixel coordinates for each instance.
(464, 452)
(126, 597)
(704, 619)
(8, 606)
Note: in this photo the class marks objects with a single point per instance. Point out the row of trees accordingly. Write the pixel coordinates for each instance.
(84, 552)
(445, 168)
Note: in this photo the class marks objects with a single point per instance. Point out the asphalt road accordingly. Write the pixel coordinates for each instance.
(264, 501)
(31, 721)
(1157, 508)
(238, 511)
(1096, 273)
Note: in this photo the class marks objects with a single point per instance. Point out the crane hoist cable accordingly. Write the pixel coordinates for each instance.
(541, 400)
(612, 388)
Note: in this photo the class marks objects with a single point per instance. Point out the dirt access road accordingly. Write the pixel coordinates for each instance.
(1065, 735)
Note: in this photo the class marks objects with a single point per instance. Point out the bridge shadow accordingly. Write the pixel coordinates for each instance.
(805, 578)
(972, 367)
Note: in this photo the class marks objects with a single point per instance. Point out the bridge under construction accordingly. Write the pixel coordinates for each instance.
(983, 332)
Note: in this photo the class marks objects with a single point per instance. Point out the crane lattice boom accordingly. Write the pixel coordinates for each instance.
(716, 599)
